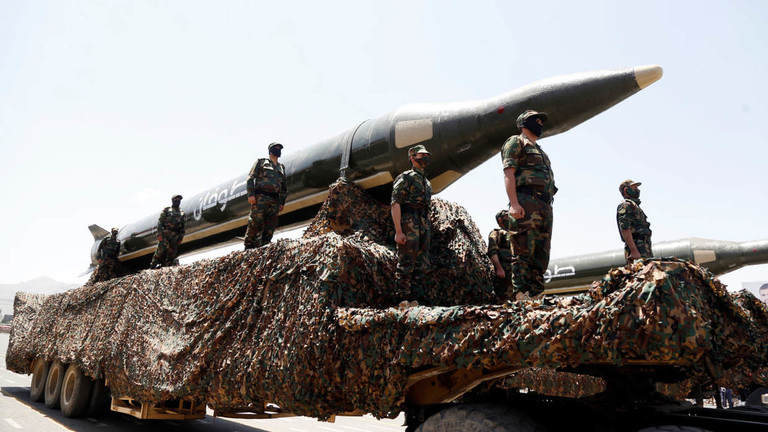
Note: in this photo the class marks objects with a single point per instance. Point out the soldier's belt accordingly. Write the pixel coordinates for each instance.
(273, 195)
(418, 211)
(547, 198)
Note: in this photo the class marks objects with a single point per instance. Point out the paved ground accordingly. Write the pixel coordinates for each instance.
(18, 413)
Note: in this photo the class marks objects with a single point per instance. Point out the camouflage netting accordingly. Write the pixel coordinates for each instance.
(310, 324)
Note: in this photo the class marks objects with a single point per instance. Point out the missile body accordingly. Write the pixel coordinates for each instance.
(460, 136)
(577, 273)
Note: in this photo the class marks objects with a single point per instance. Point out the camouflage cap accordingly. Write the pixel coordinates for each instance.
(115, 229)
(530, 113)
(627, 183)
(274, 144)
(505, 221)
(175, 197)
(502, 214)
(417, 149)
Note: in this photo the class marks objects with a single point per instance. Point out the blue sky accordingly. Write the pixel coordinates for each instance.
(109, 108)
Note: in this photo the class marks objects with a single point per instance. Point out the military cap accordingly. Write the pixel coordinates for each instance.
(627, 183)
(274, 144)
(176, 197)
(530, 113)
(505, 221)
(502, 214)
(115, 229)
(417, 149)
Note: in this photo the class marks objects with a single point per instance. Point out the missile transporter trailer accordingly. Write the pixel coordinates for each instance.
(315, 327)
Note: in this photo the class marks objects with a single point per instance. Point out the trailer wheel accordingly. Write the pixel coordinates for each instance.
(39, 374)
(100, 399)
(53, 384)
(75, 392)
(479, 418)
(673, 428)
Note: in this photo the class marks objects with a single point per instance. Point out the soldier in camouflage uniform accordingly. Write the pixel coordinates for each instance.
(106, 258)
(634, 228)
(170, 232)
(530, 186)
(267, 191)
(500, 253)
(411, 197)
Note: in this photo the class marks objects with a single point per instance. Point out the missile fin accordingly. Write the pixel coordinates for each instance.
(97, 232)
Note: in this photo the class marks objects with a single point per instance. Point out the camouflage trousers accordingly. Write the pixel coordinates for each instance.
(165, 255)
(262, 221)
(503, 287)
(107, 269)
(643, 244)
(531, 238)
(413, 256)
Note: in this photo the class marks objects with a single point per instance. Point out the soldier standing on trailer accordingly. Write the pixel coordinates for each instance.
(530, 186)
(500, 253)
(634, 228)
(106, 257)
(170, 233)
(267, 191)
(411, 197)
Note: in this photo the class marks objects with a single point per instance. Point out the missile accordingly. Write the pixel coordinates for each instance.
(576, 273)
(460, 136)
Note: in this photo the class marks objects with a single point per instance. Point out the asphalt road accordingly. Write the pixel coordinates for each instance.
(18, 413)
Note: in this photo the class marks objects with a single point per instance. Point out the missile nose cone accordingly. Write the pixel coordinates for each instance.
(647, 75)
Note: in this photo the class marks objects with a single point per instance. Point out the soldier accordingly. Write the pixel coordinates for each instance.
(170, 232)
(267, 191)
(500, 253)
(106, 257)
(634, 228)
(530, 186)
(411, 196)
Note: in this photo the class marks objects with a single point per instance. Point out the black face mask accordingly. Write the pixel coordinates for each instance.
(276, 151)
(176, 203)
(422, 163)
(632, 193)
(532, 125)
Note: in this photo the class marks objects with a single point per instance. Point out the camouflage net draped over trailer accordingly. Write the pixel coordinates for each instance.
(310, 324)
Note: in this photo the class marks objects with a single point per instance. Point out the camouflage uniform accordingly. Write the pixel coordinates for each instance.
(531, 238)
(106, 256)
(268, 184)
(170, 225)
(499, 244)
(629, 216)
(413, 191)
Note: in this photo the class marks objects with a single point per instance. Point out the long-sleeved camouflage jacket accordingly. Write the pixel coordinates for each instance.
(268, 178)
(171, 221)
(108, 249)
(499, 244)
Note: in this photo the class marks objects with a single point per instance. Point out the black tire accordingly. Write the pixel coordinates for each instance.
(100, 400)
(39, 374)
(673, 428)
(479, 418)
(53, 384)
(75, 392)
